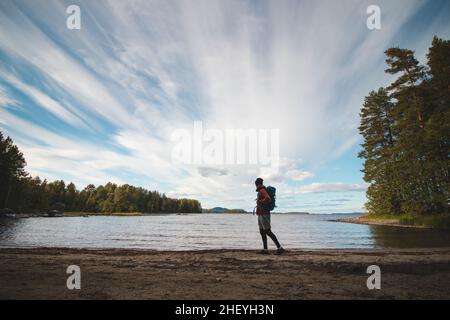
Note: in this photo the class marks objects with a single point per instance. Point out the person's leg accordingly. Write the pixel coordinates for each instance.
(264, 238)
(273, 237)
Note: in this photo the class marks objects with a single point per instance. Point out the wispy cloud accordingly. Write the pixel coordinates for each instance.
(44, 100)
(100, 103)
(331, 187)
(5, 99)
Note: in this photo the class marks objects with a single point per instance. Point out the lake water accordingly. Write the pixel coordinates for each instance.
(209, 231)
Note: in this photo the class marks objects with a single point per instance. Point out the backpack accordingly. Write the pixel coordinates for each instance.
(271, 191)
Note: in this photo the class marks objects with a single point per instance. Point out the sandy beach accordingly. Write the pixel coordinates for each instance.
(224, 274)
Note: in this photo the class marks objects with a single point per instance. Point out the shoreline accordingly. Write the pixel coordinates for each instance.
(381, 222)
(40, 273)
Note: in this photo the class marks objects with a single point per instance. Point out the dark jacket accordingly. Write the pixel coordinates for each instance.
(263, 199)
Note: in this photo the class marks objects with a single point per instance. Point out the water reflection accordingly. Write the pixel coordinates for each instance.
(9, 227)
(395, 237)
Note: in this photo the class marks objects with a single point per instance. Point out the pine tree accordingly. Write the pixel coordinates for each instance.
(411, 73)
(377, 128)
(437, 133)
(409, 124)
(12, 170)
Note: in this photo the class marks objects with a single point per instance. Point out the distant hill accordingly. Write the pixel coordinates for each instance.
(223, 210)
(294, 212)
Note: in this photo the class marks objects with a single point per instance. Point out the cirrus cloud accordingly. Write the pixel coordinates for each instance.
(331, 187)
(100, 103)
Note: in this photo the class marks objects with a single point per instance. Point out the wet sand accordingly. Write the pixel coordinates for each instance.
(224, 274)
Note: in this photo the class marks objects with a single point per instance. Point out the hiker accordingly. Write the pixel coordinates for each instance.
(263, 207)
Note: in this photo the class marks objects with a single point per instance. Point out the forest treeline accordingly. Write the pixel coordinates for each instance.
(22, 193)
(406, 130)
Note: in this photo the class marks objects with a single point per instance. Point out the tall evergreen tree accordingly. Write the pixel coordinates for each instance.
(377, 128)
(403, 62)
(12, 169)
(409, 125)
(437, 133)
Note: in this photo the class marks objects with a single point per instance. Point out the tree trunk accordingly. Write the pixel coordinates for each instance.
(7, 196)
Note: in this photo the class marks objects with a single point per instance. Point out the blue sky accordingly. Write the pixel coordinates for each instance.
(100, 104)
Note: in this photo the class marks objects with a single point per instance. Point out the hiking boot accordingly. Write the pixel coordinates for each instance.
(280, 250)
(264, 251)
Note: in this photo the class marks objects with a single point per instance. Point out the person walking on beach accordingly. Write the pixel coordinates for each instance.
(263, 201)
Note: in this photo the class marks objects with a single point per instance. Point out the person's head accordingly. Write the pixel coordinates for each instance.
(258, 182)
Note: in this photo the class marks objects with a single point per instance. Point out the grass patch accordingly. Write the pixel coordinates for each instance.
(441, 221)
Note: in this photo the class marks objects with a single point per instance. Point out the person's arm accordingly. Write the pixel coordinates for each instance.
(264, 197)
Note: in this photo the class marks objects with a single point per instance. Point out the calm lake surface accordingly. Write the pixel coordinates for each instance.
(209, 231)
